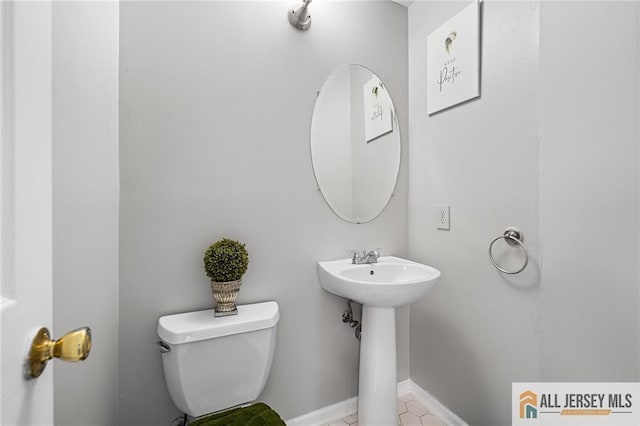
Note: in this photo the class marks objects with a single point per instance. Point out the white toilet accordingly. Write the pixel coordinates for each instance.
(211, 364)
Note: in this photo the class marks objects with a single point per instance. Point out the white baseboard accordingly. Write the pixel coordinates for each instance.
(324, 415)
(349, 406)
(434, 406)
(403, 387)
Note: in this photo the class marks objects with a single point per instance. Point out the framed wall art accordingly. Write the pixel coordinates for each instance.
(453, 60)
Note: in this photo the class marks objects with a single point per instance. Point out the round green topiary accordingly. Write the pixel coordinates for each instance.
(226, 260)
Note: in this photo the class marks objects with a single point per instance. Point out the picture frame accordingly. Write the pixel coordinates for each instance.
(453, 60)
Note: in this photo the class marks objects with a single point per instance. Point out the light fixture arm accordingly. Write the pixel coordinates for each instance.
(299, 16)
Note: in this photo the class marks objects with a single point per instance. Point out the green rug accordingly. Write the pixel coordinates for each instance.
(255, 415)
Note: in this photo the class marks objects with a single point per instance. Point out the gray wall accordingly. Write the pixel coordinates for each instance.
(551, 147)
(85, 206)
(589, 191)
(216, 102)
(472, 332)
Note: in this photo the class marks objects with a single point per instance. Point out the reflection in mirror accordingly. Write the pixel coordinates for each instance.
(355, 143)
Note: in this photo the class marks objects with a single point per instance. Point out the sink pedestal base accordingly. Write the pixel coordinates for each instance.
(377, 393)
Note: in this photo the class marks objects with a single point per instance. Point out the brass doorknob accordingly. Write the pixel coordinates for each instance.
(73, 346)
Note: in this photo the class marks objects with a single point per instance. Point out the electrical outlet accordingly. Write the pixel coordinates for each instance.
(442, 216)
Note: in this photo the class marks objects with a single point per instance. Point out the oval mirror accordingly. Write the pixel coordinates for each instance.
(355, 143)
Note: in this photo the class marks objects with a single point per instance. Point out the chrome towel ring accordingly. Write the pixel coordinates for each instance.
(513, 237)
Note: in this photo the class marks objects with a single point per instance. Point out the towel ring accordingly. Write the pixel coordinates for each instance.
(513, 237)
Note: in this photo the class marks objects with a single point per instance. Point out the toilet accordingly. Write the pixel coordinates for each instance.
(211, 364)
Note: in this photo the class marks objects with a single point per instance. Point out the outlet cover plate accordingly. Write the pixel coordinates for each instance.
(442, 216)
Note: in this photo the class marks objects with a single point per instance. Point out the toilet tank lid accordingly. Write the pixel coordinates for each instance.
(201, 325)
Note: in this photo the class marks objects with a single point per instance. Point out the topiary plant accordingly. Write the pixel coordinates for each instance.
(226, 260)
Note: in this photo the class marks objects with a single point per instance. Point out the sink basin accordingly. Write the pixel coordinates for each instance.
(392, 282)
(380, 287)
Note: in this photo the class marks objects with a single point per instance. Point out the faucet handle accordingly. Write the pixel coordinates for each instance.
(374, 254)
(354, 255)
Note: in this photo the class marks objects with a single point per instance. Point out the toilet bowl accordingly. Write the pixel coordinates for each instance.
(211, 364)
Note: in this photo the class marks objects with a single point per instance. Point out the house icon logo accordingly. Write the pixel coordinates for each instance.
(528, 405)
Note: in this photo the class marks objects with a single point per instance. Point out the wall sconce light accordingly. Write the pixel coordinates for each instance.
(299, 16)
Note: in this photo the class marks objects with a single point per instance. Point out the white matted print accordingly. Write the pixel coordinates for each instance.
(378, 110)
(453, 60)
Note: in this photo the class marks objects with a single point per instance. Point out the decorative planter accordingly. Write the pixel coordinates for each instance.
(225, 294)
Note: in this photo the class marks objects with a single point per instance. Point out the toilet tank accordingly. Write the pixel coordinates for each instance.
(218, 363)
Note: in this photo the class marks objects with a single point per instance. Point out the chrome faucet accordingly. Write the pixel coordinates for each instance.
(367, 257)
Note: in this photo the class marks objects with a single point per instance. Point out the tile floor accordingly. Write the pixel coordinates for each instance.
(410, 413)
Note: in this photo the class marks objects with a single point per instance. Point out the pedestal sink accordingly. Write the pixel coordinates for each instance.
(380, 287)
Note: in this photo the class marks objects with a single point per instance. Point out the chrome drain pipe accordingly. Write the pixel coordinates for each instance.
(347, 317)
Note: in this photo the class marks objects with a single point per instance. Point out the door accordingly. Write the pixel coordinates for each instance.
(25, 208)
